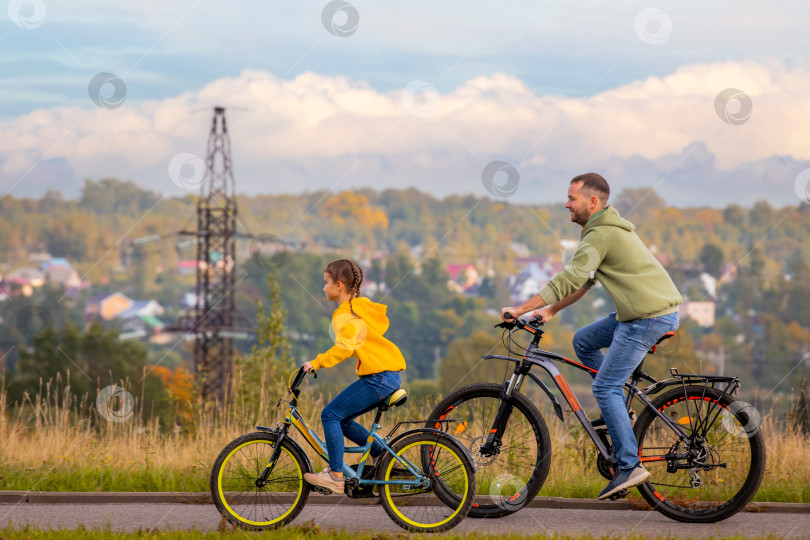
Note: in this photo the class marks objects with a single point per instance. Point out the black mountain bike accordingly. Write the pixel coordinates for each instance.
(704, 448)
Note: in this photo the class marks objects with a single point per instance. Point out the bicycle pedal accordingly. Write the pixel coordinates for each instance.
(620, 495)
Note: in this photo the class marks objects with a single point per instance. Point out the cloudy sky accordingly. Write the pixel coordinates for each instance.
(707, 104)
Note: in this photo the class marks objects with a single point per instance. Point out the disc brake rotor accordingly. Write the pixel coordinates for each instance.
(475, 450)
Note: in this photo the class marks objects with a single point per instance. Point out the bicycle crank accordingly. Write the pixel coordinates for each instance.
(606, 466)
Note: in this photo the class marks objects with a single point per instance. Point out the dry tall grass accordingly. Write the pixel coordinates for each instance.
(55, 443)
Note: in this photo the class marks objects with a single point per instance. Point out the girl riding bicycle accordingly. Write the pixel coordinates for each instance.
(358, 325)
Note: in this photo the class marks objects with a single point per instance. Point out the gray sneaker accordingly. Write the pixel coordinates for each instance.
(625, 480)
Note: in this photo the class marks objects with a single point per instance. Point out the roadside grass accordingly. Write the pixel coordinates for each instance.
(295, 533)
(55, 443)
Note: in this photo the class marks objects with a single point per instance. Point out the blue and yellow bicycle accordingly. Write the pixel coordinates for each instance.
(425, 478)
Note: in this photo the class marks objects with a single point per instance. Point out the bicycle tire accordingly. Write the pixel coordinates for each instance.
(728, 468)
(417, 508)
(233, 482)
(511, 479)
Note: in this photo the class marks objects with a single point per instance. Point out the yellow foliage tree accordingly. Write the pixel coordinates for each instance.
(354, 208)
(179, 383)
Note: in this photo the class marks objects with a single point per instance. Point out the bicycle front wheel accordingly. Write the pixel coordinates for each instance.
(409, 497)
(250, 502)
(712, 472)
(510, 477)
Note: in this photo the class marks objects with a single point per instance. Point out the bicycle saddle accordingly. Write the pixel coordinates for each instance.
(662, 338)
(397, 398)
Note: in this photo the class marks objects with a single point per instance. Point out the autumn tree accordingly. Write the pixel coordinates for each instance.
(269, 359)
(711, 258)
(635, 203)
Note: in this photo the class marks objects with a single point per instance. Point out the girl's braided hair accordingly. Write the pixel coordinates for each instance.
(350, 274)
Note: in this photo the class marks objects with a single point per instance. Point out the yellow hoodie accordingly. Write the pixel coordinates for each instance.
(361, 336)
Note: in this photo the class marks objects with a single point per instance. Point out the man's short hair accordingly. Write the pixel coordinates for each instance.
(594, 184)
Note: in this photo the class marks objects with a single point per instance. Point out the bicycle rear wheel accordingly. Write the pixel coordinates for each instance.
(410, 499)
(265, 506)
(512, 476)
(716, 469)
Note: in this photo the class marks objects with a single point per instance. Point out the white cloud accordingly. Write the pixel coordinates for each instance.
(320, 130)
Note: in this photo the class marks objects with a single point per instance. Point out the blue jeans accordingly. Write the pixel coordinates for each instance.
(628, 343)
(358, 398)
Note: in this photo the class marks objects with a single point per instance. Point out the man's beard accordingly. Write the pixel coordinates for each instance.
(577, 218)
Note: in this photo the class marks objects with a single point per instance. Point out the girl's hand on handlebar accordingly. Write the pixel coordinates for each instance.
(308, 367)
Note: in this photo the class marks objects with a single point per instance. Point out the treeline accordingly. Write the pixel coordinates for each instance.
(94, 230)
(409, 237)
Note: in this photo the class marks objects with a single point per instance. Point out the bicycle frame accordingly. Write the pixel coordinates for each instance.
(295, 419)
(537, 357)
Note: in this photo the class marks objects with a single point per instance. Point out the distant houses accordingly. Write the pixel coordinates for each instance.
(463, 278)
(534, 273)
(106, 306)
(42, 269)
(701, 312)
(138, 319)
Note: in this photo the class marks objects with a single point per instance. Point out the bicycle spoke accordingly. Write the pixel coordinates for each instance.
(717, 471)
(248, 505)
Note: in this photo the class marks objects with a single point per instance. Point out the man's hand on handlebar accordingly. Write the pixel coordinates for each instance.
(543, 314)
(510, 321)
(509, 314)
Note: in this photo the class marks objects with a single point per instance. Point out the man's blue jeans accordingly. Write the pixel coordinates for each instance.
(358, 398)
(628, 343)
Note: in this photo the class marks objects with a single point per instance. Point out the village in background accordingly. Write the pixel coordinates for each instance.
(97, 283)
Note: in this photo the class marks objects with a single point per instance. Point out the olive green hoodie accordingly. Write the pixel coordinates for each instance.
(610, 252)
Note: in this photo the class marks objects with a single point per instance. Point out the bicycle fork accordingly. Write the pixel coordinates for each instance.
(493, 443)
(281, 433)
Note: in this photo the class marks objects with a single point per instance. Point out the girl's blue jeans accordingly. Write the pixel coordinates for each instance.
(358, 398)
(627, 343)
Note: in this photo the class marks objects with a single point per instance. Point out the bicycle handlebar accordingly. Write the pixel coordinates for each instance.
(534, 322)
(299, 377)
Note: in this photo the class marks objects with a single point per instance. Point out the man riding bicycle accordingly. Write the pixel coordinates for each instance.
(646, 303)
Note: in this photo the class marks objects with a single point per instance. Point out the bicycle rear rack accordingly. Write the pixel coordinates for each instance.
(728, 385)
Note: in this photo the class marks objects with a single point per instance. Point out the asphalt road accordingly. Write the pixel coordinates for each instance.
(600, 523)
